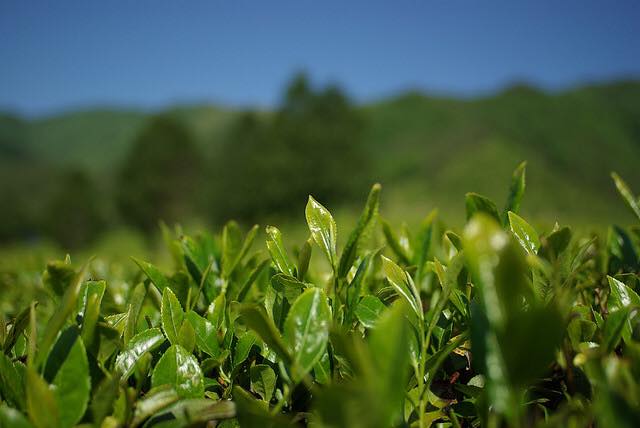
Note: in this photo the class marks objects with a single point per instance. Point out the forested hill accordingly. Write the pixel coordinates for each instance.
(427, 151)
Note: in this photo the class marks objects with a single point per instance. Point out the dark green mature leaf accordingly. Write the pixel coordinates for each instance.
(253, 413)
(67, 369)
(178, 368)
(475, 203)
(323, 229)
(516, 192)
(524, 233)
(263, 381)
(366, 219)
(256, 319)
(369, 310)
(206, 334)
(278, 251)
(17, 327)
(58, 276)
(306, 330)
(139, 344)
(626, 194)
(243, 347)
(172, 316)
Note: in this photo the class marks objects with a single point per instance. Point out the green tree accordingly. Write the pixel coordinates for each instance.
(162, 176)
(311, 145)
(75, 213)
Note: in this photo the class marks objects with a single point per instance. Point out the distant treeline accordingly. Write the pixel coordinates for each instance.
(266, 164)
(72, 176)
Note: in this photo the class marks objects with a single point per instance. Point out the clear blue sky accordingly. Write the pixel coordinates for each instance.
(58, 55)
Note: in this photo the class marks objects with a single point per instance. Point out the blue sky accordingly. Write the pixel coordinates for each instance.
(60, 55)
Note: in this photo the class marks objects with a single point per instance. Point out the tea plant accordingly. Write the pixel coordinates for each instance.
(495, 326)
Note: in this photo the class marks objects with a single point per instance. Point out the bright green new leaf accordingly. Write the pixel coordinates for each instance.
(306, 330)
(206, 334)
(145, 341)
(524, 233)
(366, 219)
(516, 191)
(178, 368)
(187, 336)
(403, 285)
(172, 316)
(278, 251)
(67, 370)
(369, 310)
(42, 407)
(323, 229)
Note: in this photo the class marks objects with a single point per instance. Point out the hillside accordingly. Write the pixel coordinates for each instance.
(428, 151)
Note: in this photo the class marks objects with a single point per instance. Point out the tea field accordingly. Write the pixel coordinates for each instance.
(492, 325)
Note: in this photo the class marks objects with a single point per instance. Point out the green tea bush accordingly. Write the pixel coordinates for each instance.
(497, 325)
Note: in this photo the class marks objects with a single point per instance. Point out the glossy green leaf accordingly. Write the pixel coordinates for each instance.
(178, 368)
(289, 286)
(524, 233)
(369, 310)
(303, 259)
(621, 295)
(263, 381)
(172, 316)
(323, 229)
(67, 370)
(366, 219)
(205, 333)
(403, 285)
(145, 341)
(278, 251)
(306, 330)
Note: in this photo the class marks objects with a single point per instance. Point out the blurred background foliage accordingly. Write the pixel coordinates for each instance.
(75, 177)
